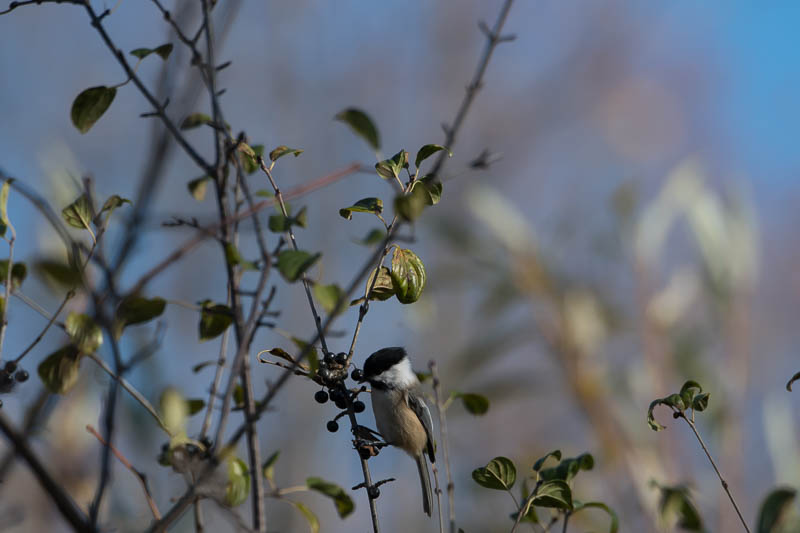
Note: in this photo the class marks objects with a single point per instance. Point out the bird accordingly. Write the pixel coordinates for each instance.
(402, 417)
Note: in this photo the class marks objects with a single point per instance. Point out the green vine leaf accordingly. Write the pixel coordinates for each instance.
(408, 275)
(84, 332)
(475, 404)
(365, 205)
(328, 296)
(311, 518)
(197, 187)
(89, 106)
(343, 502)
(282, 150)
(554, 494)
(774, 509)
(195, 120)
(613, 527)
(292, 264)
(19, 271)
(78, 214)
(59, 371)
(499, 474)
(214, 320)
(238, 486)
(555, 454)
(162, 51)
(428, 150)
(361, 125)
(391, 168)
(138, 310)
(268, 468)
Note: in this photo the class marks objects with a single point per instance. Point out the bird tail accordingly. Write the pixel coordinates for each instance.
(425, 479)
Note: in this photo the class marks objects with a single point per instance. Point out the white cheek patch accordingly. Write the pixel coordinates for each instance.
(400, 375)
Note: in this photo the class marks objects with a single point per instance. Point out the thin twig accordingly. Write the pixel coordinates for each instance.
(19, 3)
(158, 106)
(66, 505)
(131, 390)
(293, 241)
(8, 281)
(440, 409)
(713, 464)
(493, 38)
(139, 475)
(50, 322)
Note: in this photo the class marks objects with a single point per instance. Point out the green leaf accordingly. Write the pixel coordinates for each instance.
(408, 275)
(263, 193)
(675, 503)
(328, 296)
(676, 401)
(556, 454)
(281, 151)
(194, 405)
(281, 224)
(238, 486)
(431, 187)
(475, 404)
(19, 271)
(214, 320)
(344, 504)
(268, 468)
(428, 150)
(689, 390)
(200, 366)
(174, 410)
(773, 509)
(238, 396)
(410, 206)
(195, 120)
(138, 310)
(375, 236)
(84, 332)
(569, 468)
(197, 187)
(614, 527)
(58, 272)
(292, 264)
(311, 518)
(365, 205)
(361, 125)
(78, 214)
(234, 258)
(391, 168)
(384, 287)
(499, 474)
(90, 105)
(700, 402)
(250, 161)
(162, 51)
(4, 222)
(794, 378)
(114, 201)
(59, 371)
(554, 494)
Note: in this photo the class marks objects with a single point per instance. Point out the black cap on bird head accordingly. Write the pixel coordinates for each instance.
(383, 360)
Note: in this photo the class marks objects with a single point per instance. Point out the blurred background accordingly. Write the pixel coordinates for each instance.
(633, 230)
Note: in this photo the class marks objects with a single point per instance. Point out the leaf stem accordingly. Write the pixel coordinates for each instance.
(713, 464)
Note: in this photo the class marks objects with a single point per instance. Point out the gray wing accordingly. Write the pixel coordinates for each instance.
(417, 404)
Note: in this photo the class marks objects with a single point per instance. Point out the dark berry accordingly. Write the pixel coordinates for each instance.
(328, 359)
(321, 396)
(22, 376)
(373, 492)
(341, 403)
(333, 426)
(10, 367)
(336, 395)
(1, 403)
(364, 453)
(341, 358)
(358, 406)
(357, 375)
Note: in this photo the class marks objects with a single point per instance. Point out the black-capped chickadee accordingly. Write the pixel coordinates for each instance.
(402, 417)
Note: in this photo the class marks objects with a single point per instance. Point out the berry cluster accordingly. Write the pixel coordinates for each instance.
(333, 372)
(10, 375)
